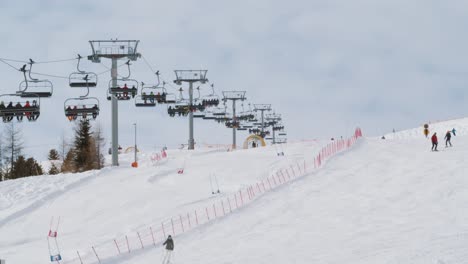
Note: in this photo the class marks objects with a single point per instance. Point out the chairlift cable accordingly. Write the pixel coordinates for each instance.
(55, 61)
(4, 61)
(147, 64)
(50, 75)
(38, 62)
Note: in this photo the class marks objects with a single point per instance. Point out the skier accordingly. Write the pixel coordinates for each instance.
(447, 138)
(453, 131)
(169, 248)
(434, 142)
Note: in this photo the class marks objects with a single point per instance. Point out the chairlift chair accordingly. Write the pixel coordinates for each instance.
(19, 109)
(82, 79)
(32, 87)
(145, 99)
(124, 88)
(36, 88)
(82, 107)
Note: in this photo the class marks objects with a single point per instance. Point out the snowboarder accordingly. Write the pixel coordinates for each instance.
(447, 138)
(434, 142)
(169, 248)
(453, 131)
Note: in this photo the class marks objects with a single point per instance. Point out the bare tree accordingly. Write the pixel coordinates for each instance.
(13, 145)
(100, 142)
(64, 147)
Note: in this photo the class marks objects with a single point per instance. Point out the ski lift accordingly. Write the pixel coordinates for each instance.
(124, 86)
(212, 99)
(19, 109)
(32, 87)
(82, 79)
(209, 116)
(199, 115)
(218, 111)
(82, 107)
(144, 99)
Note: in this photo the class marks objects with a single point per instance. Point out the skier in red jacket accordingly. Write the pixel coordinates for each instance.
(434, 142)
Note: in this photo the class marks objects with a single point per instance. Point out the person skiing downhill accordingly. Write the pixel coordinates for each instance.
(453, 131)
(169, 248)
(447, 138)
(434, 142)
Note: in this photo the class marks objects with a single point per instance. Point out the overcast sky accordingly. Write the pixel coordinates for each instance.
(326, 66)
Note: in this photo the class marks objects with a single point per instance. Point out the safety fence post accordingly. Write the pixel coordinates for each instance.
(95, 253)
(181, 223)
(222, 205)
(207, 215)
(229, 202)
(79, 257)
(173, 229)
(118, 249)
(196, 217)
(141, 241)
(152, 236)
(214, 210)
(189, 223)
(128, 245)
(164, 231)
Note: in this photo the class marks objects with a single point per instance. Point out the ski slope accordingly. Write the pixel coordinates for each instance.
(383, 201)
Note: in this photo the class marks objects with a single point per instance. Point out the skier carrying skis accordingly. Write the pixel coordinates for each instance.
(169, 248)
(434, 142)
(447, 138)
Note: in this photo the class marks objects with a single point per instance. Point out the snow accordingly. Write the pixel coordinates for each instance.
(383, 201)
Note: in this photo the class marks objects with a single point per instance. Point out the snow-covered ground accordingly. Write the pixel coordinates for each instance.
(383, 201)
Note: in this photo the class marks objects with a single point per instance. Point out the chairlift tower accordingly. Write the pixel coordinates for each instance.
(262, 108)
(190, 76)
(274, 119)
(234, 96)
(114, 50)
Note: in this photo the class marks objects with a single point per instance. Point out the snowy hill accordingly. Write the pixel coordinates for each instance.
(460, 125)
(383, 201)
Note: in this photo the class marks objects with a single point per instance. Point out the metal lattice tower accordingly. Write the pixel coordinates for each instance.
(114, 50)
(190, 76)
(262, 108)
(234, 96)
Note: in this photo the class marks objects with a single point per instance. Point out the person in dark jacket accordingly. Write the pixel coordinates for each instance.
(453, 131)
(434, 142)
(447, 138)
(169, 248)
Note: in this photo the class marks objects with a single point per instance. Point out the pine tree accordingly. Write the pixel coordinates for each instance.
(53, 170)
(53, 155)
(82, 145)
(25, 167)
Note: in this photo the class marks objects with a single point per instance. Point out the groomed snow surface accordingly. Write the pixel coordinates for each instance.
(383, 201)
